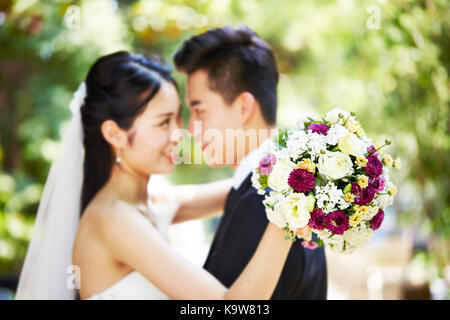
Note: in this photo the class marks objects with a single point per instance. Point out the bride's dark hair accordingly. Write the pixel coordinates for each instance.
(118, 87)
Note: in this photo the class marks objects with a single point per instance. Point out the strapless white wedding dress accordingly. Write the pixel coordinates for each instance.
(135, 286)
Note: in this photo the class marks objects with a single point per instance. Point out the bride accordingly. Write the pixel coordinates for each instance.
(123, 118)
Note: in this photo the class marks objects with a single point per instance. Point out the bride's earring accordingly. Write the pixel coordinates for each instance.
(118, 159)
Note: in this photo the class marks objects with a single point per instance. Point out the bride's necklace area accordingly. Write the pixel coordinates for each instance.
(145, 210)
(142, 208)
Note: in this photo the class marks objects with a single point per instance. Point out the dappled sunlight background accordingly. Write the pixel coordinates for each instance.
(388, 61)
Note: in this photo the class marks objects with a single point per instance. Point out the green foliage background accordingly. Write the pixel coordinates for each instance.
(394, 77)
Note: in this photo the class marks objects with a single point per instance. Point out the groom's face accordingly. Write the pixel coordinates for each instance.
(210, 118)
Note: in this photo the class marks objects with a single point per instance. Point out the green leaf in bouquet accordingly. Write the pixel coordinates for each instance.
(321, 177)
(347, 188)
(310, 202)
(336, 148)
(281, 138)
(263, 181)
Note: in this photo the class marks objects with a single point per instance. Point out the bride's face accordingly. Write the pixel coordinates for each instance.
(150, 145)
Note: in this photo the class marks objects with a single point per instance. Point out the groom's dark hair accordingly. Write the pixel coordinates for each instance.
(237, 60)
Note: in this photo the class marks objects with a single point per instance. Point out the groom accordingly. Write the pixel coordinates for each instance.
(232, 82)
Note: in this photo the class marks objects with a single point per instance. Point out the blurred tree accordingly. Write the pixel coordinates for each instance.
(386, 60)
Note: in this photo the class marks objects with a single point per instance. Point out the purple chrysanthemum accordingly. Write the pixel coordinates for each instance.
(317, 220)
(266, 164)
(372, 151)
(356, 189)
(301, 180)
(376, 221)
(374, 167)
(377, 183)
(320, 128)
(337, 222)
(366, 196)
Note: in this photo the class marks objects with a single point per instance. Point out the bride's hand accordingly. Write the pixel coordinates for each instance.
(194, 201)
(164, 203)
(201, 200)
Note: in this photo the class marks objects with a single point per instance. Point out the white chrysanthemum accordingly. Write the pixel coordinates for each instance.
(283, 154)
(335, 133)
(342, 204)
(278, 179)
(297, 143)
(329, 197)
(316, 144)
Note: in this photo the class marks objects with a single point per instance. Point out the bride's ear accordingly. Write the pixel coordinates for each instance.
(114, 134)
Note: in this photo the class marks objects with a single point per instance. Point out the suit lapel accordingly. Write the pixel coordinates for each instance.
(238, 193)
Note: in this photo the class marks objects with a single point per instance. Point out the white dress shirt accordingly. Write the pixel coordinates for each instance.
(246, 165)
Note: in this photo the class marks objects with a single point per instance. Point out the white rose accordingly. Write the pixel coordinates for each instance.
(278, 178)
(352, 145)
(295, 209)
(335, 165)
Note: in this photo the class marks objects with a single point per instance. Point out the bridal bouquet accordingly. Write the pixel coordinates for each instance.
(326, 177)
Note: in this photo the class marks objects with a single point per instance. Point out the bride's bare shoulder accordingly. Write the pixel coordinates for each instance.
(103, 211)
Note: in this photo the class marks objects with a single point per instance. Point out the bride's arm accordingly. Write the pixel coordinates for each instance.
(132, 240)
(197, 200)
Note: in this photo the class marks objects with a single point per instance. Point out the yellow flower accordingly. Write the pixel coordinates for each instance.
(355, 219)
(361, 161)
(307, 164)
(392, 190)
(387, 160)
(362, 210)
(363, 181)
(398, 163)
(352, 125)
(360, 132)
(349, 197)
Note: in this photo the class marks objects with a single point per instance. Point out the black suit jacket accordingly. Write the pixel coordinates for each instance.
(241, 227)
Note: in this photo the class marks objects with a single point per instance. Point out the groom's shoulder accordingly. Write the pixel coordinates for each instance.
(251, 199)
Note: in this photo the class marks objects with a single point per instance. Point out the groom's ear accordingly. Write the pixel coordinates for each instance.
(247, 106)
(113, 134)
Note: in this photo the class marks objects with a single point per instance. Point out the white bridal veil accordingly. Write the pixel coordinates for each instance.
(47, 272)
